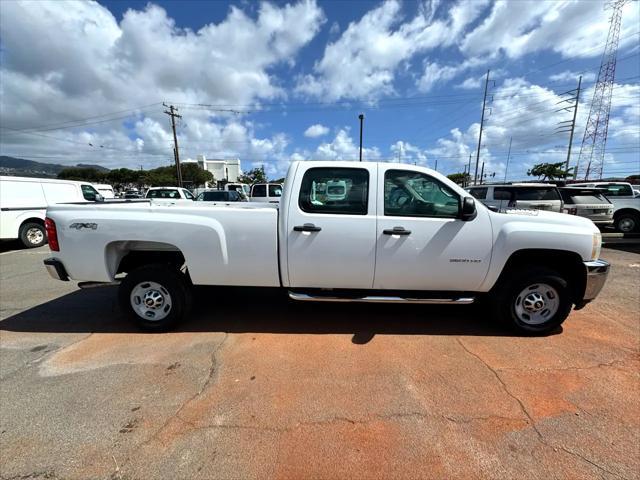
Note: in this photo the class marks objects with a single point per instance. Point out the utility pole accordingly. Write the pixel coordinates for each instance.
(436, 166)
(570, 125)
(361, 117)
(506, 169)
(176, 154)
(482, 173)
(484, 103)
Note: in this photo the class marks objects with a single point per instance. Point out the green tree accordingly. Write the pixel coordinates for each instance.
(194, 175)
(549, 171)
(83, 174)
(459, 178)
(255, 175)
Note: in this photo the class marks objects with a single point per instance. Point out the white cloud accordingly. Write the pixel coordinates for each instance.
(363, 62)
(569, 76)
(404, 152)
(342, 147)
(79, 62)
(572, 29)
(316, 130)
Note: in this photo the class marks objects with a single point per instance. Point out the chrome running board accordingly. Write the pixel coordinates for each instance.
(303, 297)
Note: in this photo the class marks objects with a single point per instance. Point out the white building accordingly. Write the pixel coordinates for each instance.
(222, 170)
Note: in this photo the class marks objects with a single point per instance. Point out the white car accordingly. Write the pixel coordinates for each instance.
(169, 193)
(24, 201)
(626, 204)
(399, 234)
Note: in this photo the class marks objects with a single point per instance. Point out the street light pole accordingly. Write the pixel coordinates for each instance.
(361, 117)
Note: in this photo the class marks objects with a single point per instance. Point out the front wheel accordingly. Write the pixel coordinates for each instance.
(155, 297)
(534, 302)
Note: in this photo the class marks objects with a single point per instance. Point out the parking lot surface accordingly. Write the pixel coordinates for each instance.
(253, 386)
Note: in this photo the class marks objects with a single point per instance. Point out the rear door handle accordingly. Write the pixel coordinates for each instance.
(396, 231)
(307, 227)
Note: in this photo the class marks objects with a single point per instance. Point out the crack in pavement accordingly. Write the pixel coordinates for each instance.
(541, 438)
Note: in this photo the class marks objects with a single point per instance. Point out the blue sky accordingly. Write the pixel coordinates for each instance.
(275, 82)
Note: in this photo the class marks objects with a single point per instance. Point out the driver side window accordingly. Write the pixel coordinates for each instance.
(414, 194)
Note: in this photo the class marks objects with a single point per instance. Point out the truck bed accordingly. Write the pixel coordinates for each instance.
(220, 243)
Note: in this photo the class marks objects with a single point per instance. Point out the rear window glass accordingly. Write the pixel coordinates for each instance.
(335, 190)
(163, 193)
(212, 196)
(479, 193)
(259, 191)
(275, 191)
(580, 198)
(618, 190)
(537, 194)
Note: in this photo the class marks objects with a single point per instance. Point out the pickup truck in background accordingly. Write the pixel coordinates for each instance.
(343, 231)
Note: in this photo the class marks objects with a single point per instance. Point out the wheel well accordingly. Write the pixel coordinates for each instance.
(626, 210)
(123, 257)
(37, 220)
(568, 264)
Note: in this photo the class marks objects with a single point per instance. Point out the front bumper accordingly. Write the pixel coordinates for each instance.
(56, 269)
(597, 272)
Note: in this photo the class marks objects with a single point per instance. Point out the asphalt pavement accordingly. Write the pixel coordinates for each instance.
(254, 386)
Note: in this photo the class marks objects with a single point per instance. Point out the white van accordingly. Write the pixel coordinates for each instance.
(266, 192)
(24, 202)
(105, 190)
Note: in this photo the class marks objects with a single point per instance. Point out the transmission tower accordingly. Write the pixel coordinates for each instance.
(591, 157)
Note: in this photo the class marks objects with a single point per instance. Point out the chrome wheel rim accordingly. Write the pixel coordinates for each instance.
(627, 225)
(35, 236)
(151, 301)
(537, 304)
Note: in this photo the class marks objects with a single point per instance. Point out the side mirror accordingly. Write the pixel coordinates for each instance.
(493, 208)
(469, 211)
(99, 198)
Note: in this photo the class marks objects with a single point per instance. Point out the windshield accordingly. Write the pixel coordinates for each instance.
(212, 196)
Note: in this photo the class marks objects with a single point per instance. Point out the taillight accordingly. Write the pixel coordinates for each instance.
(52, 234)
(572, 211)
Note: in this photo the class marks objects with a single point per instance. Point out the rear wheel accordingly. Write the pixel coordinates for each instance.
(533, 302)
(155, 297)
(33, 235)
(627, 222)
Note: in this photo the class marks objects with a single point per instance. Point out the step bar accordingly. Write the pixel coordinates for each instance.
(304, 297)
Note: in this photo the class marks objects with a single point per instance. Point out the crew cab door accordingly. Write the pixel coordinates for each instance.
(422, 243)
(331, 226)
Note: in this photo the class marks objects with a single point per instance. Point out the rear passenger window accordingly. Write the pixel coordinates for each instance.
(89, 193)
(275, 191)
(335, 190)
(259, 191)
(479, 193)
(537, 194)
(414, 194)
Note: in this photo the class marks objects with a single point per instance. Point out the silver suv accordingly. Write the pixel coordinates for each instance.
(531, 196)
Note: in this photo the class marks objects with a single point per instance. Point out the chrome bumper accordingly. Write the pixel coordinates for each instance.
(597, 272)
(56, 269)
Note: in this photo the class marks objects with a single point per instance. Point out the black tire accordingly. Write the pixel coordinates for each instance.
(509, 298)
(627, 222)
(173, 290)
(33, 235)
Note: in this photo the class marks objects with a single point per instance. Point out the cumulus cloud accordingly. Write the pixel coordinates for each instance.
(316, 130)
(93, 64)
(364, 61)
(571, 29)
(569, 76)
(342, 147)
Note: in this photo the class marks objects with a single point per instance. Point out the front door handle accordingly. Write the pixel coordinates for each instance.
(307, 227)
(396, 231)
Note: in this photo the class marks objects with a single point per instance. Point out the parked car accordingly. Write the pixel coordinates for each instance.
(527, 196)
(132, 194)
(612, 189)
(220, 196)
(169, 193)
(590, 203)
(23, 204)
(400, 234)
(105, 190)
(266, 192)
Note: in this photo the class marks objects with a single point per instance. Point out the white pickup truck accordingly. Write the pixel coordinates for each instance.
(393, 234)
